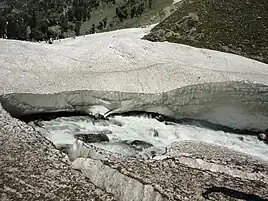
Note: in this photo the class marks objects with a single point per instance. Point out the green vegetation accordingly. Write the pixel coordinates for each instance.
(235, 26)
(36, 20)
(40, 20)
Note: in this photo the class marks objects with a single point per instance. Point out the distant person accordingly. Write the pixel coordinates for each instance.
(50, 41)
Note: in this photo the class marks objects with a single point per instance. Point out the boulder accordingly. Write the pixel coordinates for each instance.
(98, 116)
(160, 118)
(140, 144)
(38, 123)
(263, 137)
(91, 138)
(154, 132)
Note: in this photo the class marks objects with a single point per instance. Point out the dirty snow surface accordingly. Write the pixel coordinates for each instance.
(121, 61)
(118, 61)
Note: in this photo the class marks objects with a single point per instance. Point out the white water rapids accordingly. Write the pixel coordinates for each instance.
(61, 131)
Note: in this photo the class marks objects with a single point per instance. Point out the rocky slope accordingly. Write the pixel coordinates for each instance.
(32, 169)
(238, 27)
(187, 171)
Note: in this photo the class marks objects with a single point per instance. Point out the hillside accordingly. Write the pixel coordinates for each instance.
(40, 20)
(234, 26)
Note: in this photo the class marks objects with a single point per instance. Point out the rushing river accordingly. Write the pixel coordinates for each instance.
(122, 130)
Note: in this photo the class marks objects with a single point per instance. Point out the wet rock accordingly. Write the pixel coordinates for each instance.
(154, 132)
(99, 116)
(31, 123)
(153, 153)
(63, 148)
(38, 123)
(263, 137)
(150, 116)
(91, 138)
(160, 118)
(140, 144)
(169, 123)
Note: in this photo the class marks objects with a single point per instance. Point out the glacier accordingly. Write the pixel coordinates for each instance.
(121, 73)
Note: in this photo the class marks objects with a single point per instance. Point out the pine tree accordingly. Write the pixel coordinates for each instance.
(3, 25)
(133, 12)
(104, 22)
(150, 4)
(100, 26)
(77, 28)
(93, 29)
(70, 14)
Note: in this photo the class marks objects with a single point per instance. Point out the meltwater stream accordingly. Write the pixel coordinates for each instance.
(122, 130)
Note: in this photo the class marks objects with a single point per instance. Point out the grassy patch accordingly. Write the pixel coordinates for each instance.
(235, 26)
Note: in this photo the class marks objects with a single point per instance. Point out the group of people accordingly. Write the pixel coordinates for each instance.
(49, 41)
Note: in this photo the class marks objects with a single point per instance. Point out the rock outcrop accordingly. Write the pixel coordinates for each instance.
(31, 168)
(91, 138)
(188, 171)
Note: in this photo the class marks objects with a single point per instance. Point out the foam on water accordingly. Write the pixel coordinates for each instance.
(62, 131)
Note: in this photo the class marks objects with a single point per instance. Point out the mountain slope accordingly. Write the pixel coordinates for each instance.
(239, 27)
(40, 20)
